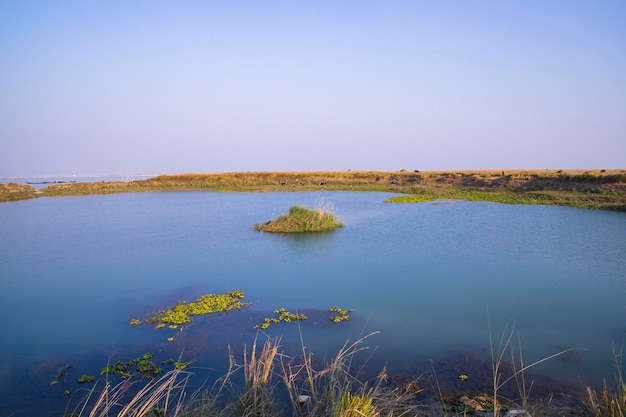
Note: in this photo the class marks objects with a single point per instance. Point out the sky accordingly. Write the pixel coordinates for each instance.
(155, 87)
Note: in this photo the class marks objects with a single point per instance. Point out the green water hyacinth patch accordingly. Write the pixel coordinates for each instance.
(86, 378)
(206, 304)
(142, 365)
(284, 316)
(339, 314)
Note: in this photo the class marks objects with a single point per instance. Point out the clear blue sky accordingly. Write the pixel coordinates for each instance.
(114, 87)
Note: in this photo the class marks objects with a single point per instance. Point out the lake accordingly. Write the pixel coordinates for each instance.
(434, 279)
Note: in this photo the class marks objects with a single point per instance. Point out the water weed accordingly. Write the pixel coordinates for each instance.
(209, 303)
(284, 316)
(339, 314)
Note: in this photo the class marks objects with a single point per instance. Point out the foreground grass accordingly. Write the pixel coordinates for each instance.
(597, 189)
(301, 219)
(611, 401)
(273, 384)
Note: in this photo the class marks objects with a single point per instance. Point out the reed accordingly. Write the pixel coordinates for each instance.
(276, 384)
(333, 390)
(257, 399)
(519, 367)
(164, 396)
(611, 401)
(336, 389)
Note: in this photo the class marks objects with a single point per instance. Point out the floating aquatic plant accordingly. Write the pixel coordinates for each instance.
(283, 316)
(148, 369)
(340, 314)
(86, 378)
(206, 304)
(142, 365)
(118, 368)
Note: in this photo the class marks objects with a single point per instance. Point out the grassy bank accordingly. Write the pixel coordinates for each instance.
(597, 189)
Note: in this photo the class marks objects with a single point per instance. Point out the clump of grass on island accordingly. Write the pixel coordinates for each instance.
(302, 219)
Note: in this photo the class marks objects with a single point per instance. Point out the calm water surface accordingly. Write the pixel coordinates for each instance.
(431, 278)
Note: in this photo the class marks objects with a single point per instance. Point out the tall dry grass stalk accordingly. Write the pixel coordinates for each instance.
(165, 394)
(336, 389)
(257, 398)
(519, 367)
(611, 402)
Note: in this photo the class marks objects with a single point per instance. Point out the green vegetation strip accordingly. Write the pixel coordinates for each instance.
(544, 197)
(206, 304)
(301, 219)
(505, 197)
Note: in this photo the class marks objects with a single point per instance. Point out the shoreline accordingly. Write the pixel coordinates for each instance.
(598, 189)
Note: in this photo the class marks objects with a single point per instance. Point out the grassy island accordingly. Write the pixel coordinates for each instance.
(302, 219)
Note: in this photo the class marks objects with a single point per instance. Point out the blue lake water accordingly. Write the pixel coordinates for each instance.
(431, 278)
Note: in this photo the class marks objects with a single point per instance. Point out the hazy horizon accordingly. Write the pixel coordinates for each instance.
(118, 88)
